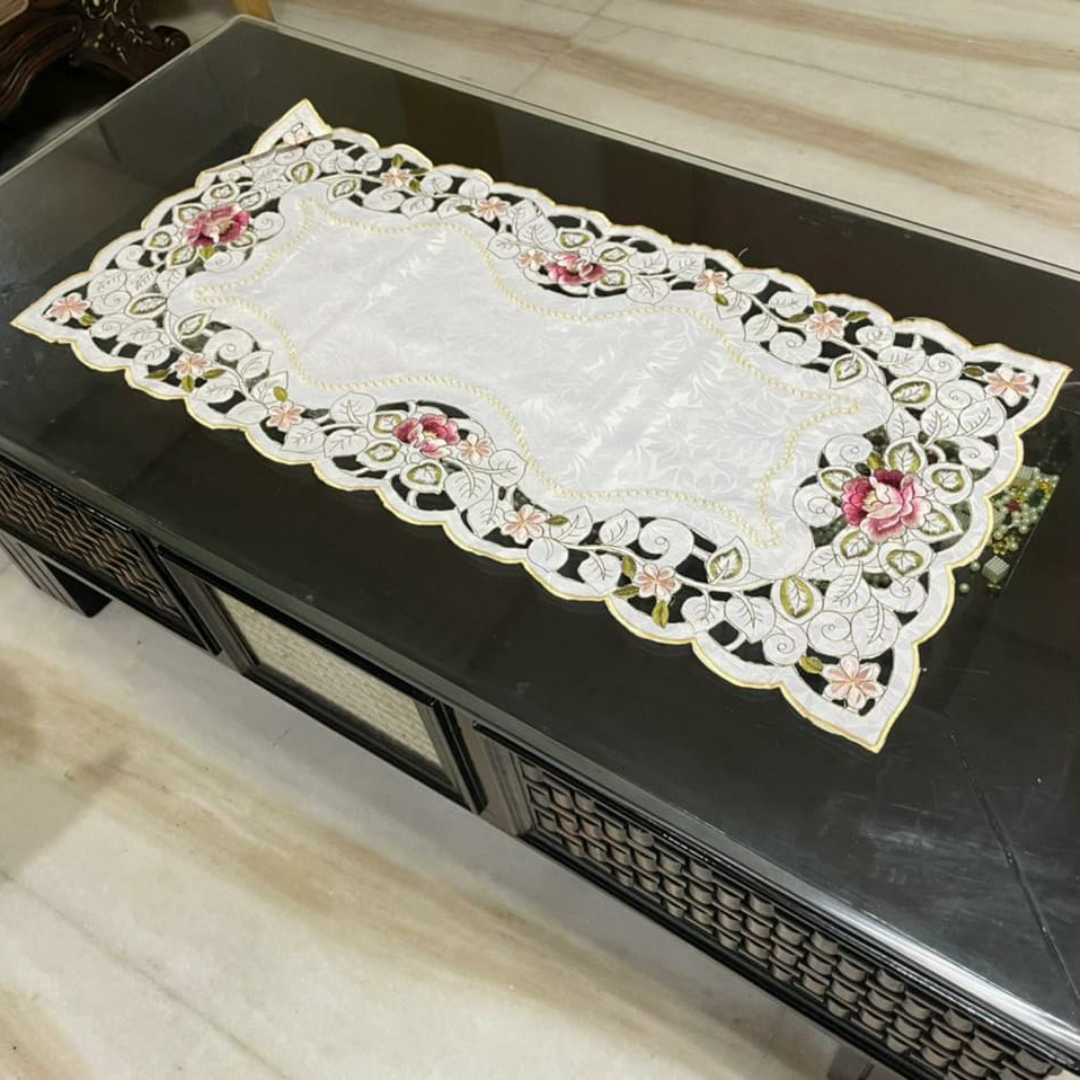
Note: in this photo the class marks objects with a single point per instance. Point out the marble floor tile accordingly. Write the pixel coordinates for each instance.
(196, 878)
(495, 44)
(984, 54)
(999, 178)
(587, 7)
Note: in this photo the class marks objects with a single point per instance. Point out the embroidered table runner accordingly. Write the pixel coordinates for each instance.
(782, 480)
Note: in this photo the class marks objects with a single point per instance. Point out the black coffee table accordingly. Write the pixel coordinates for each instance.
(920, 903)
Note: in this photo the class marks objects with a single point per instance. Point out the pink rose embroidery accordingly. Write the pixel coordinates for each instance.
(284, 415)
(192, 365)
(475, 450)
(658, 581)
(852, 682)
(824, 325)
(525, 524)
(72, 306)
(885, 504)
(432, 434)
(221, 225)
(1009, 385)
(574, 270)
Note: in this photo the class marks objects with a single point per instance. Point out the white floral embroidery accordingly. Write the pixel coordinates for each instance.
(889, 510)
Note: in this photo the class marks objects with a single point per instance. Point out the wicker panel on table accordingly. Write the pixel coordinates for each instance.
(86, 541)
(705, 898)
(392, 714)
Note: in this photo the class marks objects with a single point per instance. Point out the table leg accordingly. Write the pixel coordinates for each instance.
(51, 580)
(259, 8)
(849, 1064)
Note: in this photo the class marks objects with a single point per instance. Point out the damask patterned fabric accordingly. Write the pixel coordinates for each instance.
(782, 480)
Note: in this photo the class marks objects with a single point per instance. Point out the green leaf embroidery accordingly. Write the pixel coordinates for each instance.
(302, 172)
(661, 613)
(280, 394)
(161, 373)
(558, 519)
(796, 597)
(801, 316)
(205, 252)
(87, 319)
(214, 373)
(973, 371)
(190, 326)
(721, 300)
(875, 461)
(343, 188)
(912, 392)
(811, 664)
(146, 305)
(820, 307)
(856, 316)
(726, 565)
(629, 567)
(397, 161)
(187, 384)
(627, 591)
(854, 544)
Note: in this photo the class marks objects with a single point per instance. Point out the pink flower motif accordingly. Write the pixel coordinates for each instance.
(712, 282)
(574, 270)
(1009, 385)
(824, 325)
(396, 176)
(655, 580)
(525, 524)
(475, 450)
(885, 504)
(851, 682)
(72, 306)
(193, 364)
(221, 225)
(284, 415)
(432, 434)
(491, 208)
(532, 259)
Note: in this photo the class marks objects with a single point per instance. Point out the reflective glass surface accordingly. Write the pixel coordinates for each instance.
(956, 843)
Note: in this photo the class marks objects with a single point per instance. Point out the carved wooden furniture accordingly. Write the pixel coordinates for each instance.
(107, 34)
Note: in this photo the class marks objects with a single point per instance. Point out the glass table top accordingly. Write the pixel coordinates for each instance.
(956, 842)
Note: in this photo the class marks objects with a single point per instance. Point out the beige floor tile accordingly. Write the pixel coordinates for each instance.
(968, 170)
(586, 7)
(981, 52)
(196, 878)
(496, 44)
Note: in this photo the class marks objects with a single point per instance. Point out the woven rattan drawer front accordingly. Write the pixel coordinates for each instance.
(731, 918)
(90, 544)
(395, 716)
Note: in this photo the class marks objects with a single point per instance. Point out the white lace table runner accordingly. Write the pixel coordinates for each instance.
(783, 481)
